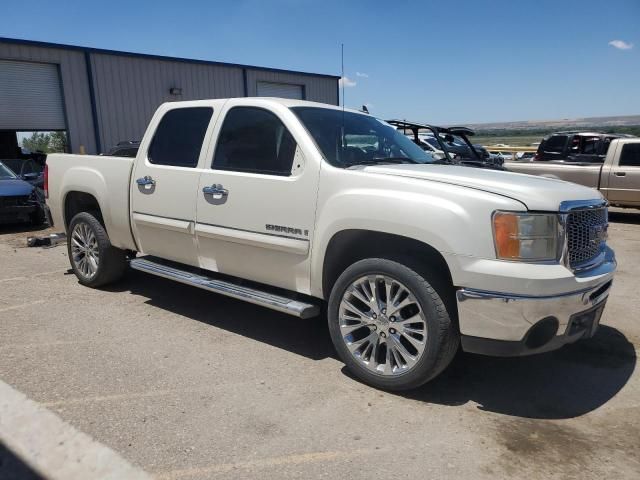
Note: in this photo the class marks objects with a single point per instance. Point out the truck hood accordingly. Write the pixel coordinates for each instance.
(537, 193)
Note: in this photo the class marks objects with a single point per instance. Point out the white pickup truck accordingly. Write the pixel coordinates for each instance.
(293, 205)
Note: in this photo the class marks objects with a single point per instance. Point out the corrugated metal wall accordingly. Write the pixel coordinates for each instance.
(128, 88)
(75, 86)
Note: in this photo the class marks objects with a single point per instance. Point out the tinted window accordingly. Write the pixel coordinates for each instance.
(630, 155)
(37, 167)
(6, 173)
(28, 167)
(589, 145)
(254, 140)
(15, 164)
(555, 144)
(179, 136)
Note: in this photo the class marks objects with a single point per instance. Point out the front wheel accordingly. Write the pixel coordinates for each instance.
(389, 326)
(94, 260)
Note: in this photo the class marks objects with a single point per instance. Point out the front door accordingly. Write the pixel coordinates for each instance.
(624, 178)
(256, 204)
(165, 183)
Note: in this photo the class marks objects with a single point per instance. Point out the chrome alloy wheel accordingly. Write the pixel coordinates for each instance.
(382, 325)
(84, 250)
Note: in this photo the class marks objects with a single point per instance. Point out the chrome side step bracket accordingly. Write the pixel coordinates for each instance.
(291, 306)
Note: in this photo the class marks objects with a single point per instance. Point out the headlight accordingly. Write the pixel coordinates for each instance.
(526, 236)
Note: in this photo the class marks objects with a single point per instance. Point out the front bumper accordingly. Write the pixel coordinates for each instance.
(507, 324)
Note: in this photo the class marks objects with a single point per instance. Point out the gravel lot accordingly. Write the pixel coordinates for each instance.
(188, 384)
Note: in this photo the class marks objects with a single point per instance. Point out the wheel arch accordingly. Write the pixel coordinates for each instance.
(77, 201)
(349, 246)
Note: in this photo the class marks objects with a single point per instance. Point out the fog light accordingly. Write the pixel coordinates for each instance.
(542, 332)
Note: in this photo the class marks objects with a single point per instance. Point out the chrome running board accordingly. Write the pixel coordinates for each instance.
(156, 266)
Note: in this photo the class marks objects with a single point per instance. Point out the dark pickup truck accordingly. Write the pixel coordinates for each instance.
(582, 147)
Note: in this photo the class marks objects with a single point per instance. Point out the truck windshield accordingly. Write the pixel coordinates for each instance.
(5, 173)
(347, 138)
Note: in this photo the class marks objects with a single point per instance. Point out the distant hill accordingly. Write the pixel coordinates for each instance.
(563, 124)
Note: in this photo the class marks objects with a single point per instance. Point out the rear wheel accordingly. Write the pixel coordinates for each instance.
(389, 325)
(93, 259)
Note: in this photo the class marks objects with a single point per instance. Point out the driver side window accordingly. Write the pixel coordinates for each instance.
(254, 140)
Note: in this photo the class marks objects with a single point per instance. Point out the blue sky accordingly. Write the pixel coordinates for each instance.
(442, 62)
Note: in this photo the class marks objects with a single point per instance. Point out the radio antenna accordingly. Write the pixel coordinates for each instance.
(342, 74)
(342, 80)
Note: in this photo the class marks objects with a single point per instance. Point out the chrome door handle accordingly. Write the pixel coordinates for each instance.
(620, 174)
(216, 190)
(146, 180)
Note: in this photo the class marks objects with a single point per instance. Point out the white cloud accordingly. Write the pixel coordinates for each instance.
(347, 82)
(363, 75)
(621, 44)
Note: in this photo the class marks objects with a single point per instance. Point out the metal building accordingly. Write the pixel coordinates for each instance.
(101, 97)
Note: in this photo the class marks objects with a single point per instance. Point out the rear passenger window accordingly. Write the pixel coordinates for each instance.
(254, 140)
(630, 155)
(589, 145)
(179, 136)
(555, 144)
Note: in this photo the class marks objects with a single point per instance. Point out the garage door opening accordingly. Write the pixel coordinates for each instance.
(30, 97)
(281, 90)
(43, 142)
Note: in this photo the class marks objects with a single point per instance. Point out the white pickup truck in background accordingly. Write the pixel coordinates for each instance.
(291, 205)
(617, 177)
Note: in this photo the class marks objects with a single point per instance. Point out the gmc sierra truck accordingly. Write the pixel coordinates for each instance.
(615, 173)
(295, 205)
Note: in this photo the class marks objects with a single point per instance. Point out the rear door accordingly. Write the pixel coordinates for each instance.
(165, 183)
(256, 201)
(624, 177)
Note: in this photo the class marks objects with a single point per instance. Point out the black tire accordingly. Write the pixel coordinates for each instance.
(112, 261)
(442, 337)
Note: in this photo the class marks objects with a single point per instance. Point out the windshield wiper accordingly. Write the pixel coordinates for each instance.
(375, 161)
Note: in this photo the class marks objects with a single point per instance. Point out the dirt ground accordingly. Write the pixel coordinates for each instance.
(188, 384)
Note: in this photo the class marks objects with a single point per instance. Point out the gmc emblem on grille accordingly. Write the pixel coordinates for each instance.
(598, 234)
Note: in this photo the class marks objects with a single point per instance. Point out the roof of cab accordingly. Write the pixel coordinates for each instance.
(287, 102)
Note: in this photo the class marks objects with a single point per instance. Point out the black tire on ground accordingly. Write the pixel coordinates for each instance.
(112, 261)
(442, 339)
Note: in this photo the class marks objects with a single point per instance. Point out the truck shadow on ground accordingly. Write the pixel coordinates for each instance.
(567, 383)
(564, 384)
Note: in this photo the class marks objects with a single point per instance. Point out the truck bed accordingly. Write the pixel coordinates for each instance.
(104, 177)
(587, 174)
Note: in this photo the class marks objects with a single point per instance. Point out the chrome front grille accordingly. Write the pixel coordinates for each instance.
(586, 234)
